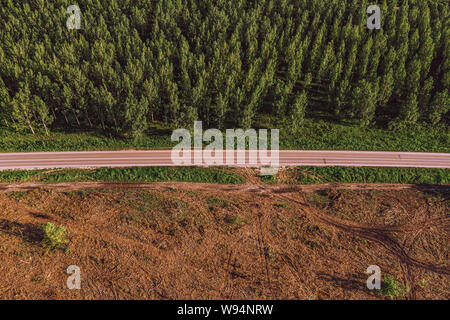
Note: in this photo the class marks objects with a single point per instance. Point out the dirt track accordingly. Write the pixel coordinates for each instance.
(249, 187)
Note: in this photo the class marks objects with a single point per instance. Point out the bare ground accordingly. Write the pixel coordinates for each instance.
(200, 241)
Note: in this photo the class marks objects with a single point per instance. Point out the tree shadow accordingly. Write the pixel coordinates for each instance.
(434, 190)
(353, 283)
(28, 231)
(40, 215)
(153, 131)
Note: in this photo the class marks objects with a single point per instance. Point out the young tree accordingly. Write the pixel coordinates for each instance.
(440, 106)
(414, 69)
(386, 87)
(22, 108)
(364, 99)
(5, 112)
(427, 49)
(136, 115)
(42, 112)
(298, 111)
(409, 111)
(327, 60)
(364, 57)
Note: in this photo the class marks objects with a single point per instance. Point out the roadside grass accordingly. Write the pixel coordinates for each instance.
(222, 175)
(157, 137)
(16, 175)
(316, 175)
(216, 202)
(322, 135)
(316, 134)
(133, 174)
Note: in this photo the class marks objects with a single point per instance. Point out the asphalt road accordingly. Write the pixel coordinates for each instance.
(94, 159)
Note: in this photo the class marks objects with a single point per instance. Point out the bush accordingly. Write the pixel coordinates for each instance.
(392, 288)
(55, 237)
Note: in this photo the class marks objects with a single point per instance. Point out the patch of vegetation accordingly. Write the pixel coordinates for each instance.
(337, 70)
(316, 175)
(318, 134)
(301, 175)
(14, 175)
(319, 197)
(235, 221)
(17, 194)
(392, 288)
(315, 134)
(148, 200)
(281, 205)
(134, 174)
(55, 237)
(273, 256)
(164, 214)
(216, 202)
(11, 141)
(77, 194)
(312, 297)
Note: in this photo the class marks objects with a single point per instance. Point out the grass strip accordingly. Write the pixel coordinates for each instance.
(315, 135)
(316, 175)
(133, 174)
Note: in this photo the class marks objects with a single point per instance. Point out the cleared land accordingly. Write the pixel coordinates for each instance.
(185, 241)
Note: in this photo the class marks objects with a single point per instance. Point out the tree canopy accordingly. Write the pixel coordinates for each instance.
(220, 61)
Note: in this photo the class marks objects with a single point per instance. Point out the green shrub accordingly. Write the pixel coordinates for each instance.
(393, 288)
(55, 237)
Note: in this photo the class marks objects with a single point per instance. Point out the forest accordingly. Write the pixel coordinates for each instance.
(223, 62)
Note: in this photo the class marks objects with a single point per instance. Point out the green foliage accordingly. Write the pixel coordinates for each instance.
(55, 237)
(364, 97)
(213, 201)
(317, 175)
(305, 175)
(392, 288)
(138, 174)
(439, 106)
(321, 135)
(220, 61)
(312, 134)
(409, 112)
(298, 111)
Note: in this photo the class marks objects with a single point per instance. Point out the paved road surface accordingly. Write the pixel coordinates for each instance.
(92, 159)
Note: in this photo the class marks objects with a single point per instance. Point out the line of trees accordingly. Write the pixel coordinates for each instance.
(221, 61)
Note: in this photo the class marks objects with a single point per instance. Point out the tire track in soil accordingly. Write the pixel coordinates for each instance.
(382, 235)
